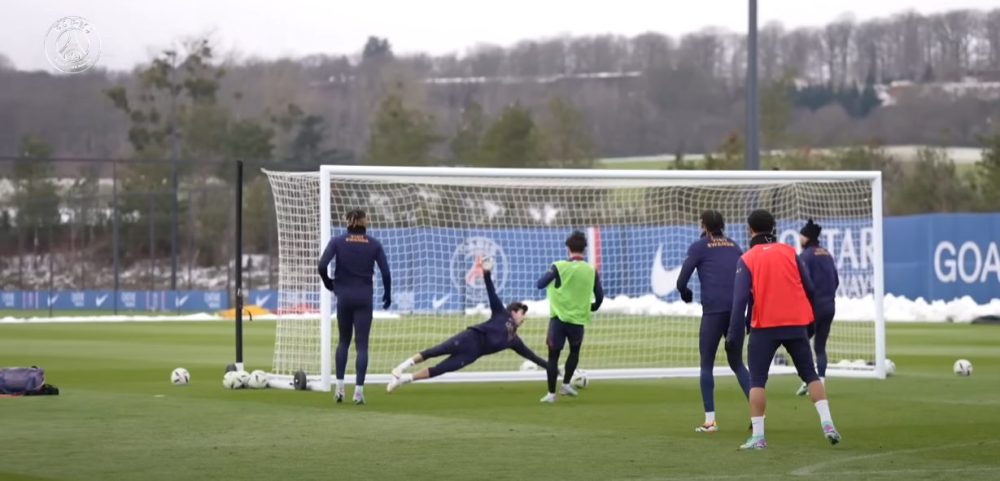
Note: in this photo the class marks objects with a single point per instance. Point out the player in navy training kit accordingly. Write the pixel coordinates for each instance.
(354, 255)
(823, 273)
(715, 256)
(498, 333)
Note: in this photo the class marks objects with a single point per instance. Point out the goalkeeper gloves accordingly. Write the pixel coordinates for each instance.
(487, 264)
(687, 295)
(386, 300)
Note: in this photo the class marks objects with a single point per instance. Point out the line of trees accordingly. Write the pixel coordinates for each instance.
(640, 95)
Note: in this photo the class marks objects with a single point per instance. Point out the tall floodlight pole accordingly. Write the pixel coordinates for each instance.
(752, 99)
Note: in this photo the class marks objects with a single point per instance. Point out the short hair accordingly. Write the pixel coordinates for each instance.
(576, 242)
(713, 221)
(761, 221)
(518, 306)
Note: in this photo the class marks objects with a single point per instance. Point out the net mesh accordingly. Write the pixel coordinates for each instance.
(434, 228)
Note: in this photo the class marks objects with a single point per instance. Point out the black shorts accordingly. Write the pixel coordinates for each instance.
(764, 344)
(560, 332)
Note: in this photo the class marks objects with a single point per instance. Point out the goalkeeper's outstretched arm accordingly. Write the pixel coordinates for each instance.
(524, 351)
(496, 305)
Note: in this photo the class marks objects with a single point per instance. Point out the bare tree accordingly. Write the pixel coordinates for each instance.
(802, 50)
(650, 51)
(870, 44)
(836, 47)
(771, 61)
(992, 33)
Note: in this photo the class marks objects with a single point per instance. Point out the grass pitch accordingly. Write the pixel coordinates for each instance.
(119, 418)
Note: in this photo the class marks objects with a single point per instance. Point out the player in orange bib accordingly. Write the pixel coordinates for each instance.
(773, 283)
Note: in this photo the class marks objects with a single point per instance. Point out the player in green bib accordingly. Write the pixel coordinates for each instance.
(574, 292)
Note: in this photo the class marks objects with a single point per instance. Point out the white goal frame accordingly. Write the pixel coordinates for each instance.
(695, 177)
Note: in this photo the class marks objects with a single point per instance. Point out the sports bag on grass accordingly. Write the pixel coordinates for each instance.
(25, 381)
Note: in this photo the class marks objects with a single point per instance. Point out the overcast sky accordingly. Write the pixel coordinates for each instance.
(132, 30)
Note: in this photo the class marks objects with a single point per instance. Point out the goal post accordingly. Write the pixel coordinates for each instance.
(435, 221)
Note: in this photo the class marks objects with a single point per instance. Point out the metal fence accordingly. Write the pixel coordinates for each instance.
(116, 224)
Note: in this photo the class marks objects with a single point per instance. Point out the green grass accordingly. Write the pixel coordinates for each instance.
(119, 418)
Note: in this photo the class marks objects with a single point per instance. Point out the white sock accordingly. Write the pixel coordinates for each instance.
(340, 385)
(359, 390)
(709, 417)
(405, 364)
(406, 378)
(823, 408)
(758, 425)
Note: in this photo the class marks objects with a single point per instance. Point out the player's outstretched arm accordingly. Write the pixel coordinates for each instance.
(551, 275)
(524, 351)
(598, 293)
(329, 254)
(690, 263)
(496, 305)
(383, 267)
(741, 301)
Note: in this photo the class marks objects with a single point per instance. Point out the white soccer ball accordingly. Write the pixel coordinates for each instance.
(962, 367)
(180, 377)
(890, 367)
(258, 380)
(580, 379)
(232, 380)
(529, 366)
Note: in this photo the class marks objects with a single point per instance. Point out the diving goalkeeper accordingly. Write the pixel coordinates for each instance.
(497, 334)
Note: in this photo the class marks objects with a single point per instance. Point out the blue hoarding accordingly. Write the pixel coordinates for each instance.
(931, 256)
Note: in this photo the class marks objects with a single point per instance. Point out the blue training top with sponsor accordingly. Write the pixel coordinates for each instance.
(822, 272)
(715, 257)
(356, 255)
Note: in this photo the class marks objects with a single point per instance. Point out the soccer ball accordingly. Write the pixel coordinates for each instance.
(529, 366)
(580, 379)
(962, 367)
(235, 379)
(180, 377)
(258, 380)
(890, 367)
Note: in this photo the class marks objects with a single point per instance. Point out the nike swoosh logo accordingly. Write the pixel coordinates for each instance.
(53, 299)
(663, 281)
(100, 300)
(438, 302)
(259, 301)
(180, 301)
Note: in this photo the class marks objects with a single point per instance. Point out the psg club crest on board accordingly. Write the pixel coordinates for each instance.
(465, 272)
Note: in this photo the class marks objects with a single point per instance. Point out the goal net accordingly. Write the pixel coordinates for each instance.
(435, 222)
